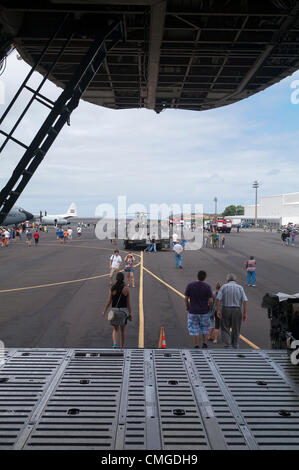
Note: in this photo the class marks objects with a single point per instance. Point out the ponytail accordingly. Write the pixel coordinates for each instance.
(120, 284)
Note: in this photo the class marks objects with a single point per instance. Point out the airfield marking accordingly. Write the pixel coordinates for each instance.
(254, 346)
(141, 312)
(60, 283)
(52, 284)
(163, 282)
(141, 309)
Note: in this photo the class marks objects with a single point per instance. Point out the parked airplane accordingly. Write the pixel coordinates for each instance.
(57, 219)
(17, 215)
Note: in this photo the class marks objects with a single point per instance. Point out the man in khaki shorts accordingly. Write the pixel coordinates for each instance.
(115, 262)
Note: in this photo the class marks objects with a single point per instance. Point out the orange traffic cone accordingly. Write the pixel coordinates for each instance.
(162, 341)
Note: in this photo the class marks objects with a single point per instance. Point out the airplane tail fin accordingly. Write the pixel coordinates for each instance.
(72, 210)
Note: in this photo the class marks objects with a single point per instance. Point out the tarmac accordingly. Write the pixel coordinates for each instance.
(52, 295)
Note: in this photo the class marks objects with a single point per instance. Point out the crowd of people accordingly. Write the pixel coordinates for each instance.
(10, 234)
(30, 234)
(288, 234)
(214, 240)
(208, 311)
(15, 234)
(151, 244)
(115, 262)
(64, 234)
(119, 295)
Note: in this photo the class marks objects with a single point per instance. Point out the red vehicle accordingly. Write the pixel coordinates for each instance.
(220, 225)
(224, 225)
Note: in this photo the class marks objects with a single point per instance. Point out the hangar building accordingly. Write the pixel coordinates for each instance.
(275, 210)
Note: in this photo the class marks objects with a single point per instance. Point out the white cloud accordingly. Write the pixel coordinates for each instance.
(179, 156)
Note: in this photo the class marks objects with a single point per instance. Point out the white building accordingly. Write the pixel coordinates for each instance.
(275, 210)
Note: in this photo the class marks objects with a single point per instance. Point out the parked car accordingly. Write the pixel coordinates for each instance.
(245, 225)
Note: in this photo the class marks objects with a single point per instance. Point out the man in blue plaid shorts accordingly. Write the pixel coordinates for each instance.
(199, 301)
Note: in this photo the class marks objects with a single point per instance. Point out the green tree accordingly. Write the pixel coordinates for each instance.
(233, 210)
(229, 210)
(239, 210)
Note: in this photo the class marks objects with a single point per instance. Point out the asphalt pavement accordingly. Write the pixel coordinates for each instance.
(52, 295)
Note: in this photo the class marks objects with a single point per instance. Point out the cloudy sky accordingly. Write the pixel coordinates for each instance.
(172, 157)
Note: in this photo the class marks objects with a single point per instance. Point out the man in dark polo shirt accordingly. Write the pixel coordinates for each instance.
(199, 301)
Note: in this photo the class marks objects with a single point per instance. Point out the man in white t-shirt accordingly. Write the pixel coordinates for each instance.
(79, 230)
(174, 239)
(115, 262)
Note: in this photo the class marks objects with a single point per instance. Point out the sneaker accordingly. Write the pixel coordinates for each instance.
(204, 346)
(114, 346)
(196, 346)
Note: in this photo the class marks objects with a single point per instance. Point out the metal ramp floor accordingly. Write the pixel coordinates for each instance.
(148, 399)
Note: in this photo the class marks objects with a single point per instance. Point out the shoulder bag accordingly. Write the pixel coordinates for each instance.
(117, 316)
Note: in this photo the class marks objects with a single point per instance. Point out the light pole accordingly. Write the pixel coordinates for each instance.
(215, 200)
(255, 186)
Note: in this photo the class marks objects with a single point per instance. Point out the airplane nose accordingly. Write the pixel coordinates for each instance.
(29, 216)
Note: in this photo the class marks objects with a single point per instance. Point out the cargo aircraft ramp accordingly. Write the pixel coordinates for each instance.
(138, 399)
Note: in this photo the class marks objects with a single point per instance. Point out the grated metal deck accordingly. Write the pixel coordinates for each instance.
(148, 399)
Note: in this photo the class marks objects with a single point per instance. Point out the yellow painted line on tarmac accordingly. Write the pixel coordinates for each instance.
(141, 312)
(254, 346)
(40, 286)
(53, 284)
(165, 283)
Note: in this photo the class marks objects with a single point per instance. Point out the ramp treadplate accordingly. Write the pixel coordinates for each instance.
(148, 399)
